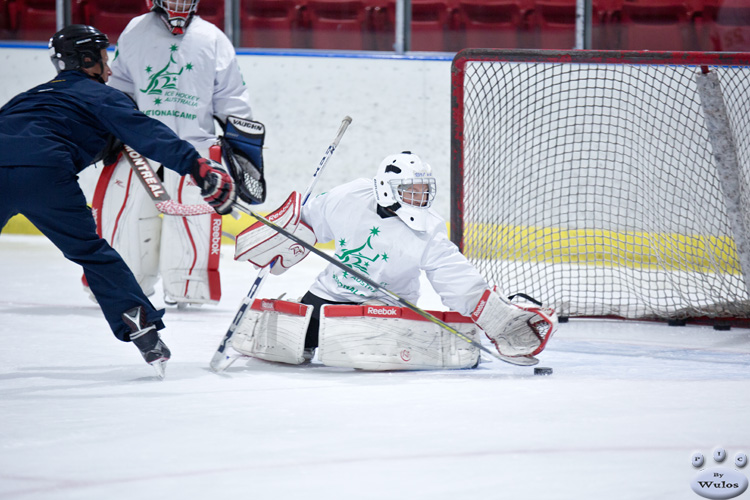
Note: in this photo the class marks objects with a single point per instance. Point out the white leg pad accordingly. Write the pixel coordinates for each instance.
(273, 330)
(127, 219)
(393, 338)
(190, 248)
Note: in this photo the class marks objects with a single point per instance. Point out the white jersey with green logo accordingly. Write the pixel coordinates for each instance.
(184, 80)
(387, 251)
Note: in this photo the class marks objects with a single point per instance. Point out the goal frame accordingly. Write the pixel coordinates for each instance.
(458, 71)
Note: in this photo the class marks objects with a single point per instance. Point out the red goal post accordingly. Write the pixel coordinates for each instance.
(606, 183)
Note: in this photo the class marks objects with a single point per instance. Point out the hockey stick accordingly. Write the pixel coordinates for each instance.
(519, 361)
(220, 360)
(154, 187)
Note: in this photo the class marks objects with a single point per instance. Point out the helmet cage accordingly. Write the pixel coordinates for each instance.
(176, 14)
(405, 191)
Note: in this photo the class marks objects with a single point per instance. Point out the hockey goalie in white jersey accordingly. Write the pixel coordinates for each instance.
(382, 227)
(181, 70)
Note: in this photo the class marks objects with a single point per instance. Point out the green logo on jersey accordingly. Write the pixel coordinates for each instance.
(355, 258)
(163, 85)
(358, 258)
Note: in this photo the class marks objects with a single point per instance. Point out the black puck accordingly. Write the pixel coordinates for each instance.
(542, 371)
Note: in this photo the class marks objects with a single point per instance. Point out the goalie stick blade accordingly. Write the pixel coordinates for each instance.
(221, 362)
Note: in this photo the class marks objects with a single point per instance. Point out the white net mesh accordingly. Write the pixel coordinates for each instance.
(594, 188)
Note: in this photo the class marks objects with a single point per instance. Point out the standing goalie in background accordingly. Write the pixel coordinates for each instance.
(52, 132)
(384, 228)
(182, 71)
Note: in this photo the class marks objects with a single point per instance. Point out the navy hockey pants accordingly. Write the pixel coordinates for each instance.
(52, 200)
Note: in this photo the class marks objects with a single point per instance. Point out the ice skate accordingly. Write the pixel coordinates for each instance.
(308, 354)
(147, 340)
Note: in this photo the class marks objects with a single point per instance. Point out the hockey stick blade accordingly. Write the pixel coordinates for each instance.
(155, 189)
(518, 361)
(171, 207)
(221, 360)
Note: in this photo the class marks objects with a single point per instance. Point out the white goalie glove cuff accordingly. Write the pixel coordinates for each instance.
(261, 245)
(514, 329)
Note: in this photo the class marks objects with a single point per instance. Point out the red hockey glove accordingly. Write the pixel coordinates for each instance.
(217, 186)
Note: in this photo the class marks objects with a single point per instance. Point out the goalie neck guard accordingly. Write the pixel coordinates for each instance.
(404, 184)
(176, 14)
(77, 46)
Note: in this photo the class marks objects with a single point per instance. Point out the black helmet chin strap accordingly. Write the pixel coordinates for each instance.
(96, 76)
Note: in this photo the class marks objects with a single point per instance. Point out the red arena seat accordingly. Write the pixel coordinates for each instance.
(432, 25)
(725, 25)
(554, 22)
(501, 24)
(212, 11)
(35, 19)
(271, 24)
(657, 25)
(111, 17)
(4, 20)
(338, 24)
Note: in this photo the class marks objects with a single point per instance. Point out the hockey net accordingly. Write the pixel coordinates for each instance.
(606, 183)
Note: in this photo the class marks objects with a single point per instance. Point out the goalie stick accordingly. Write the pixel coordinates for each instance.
(519, 361)
(154, 187)
(220, 360)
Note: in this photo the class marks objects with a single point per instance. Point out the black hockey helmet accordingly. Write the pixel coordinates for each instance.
(77, 46)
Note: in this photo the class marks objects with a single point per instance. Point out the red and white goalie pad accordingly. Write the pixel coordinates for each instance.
(185, 252)
(261, 245)
(515, 329)
(127, 218)
(273, 330)
(393, 338)
(190, 248)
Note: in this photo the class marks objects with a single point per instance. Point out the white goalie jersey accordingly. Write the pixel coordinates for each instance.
(387, 251)
(183, 81)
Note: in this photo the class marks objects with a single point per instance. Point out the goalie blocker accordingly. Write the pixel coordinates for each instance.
(365, 337)
(261, 245)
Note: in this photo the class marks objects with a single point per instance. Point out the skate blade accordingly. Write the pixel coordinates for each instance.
(160, 366)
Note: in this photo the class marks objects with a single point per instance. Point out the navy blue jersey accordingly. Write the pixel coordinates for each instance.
(67, 121)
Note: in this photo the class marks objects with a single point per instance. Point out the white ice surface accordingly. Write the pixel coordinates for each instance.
(82, 416)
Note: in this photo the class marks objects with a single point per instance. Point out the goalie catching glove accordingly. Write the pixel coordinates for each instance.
(514, 329)
(261, 244)
(217, 186)
(242, 146)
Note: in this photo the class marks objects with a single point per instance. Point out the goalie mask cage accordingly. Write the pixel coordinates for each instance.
(610, 184)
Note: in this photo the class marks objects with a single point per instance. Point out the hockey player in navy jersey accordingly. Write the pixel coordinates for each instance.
(52, 132)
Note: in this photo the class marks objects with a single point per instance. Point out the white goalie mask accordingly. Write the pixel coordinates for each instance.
(404, 184)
